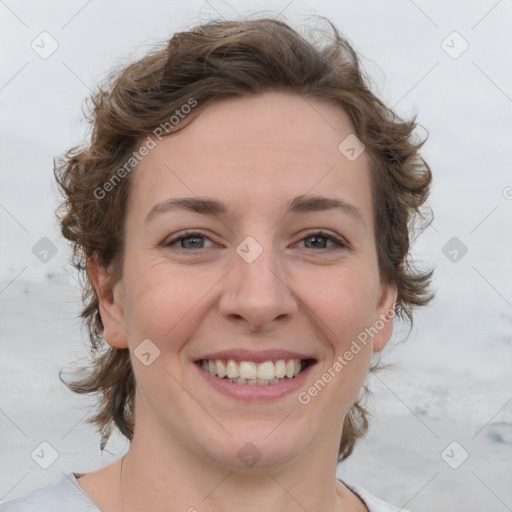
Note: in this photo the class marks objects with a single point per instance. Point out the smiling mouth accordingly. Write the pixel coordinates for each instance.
(251, 373)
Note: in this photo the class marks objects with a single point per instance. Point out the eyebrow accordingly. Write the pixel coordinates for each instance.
(300, 204)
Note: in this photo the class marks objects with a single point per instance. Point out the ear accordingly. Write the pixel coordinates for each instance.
(110, 303)
(385, 316)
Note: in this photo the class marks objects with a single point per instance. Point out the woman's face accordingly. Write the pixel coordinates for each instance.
(253, 285)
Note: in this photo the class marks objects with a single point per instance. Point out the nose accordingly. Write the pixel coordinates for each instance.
(256, 293)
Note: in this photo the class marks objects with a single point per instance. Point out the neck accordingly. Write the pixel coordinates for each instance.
(155, 473)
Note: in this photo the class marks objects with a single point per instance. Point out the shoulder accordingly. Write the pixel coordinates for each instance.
(373, 503)
(61, 496)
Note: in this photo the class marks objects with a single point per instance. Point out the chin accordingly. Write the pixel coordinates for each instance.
(253, 450)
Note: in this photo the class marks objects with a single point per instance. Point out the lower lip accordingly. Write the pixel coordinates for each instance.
(255, 391)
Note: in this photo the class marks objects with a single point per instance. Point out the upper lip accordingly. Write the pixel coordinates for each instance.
(238, 355)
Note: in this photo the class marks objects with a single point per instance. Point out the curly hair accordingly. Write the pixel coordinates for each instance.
(223, 59)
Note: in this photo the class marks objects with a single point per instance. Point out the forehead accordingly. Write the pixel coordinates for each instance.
(255, 151)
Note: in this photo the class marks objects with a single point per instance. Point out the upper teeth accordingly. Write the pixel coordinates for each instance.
(249, 370)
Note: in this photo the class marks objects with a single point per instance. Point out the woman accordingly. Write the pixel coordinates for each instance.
(241, 214)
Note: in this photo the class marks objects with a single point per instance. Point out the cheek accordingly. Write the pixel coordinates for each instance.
(164, 303)
(346, 304)
(346, 308)
(165, 309)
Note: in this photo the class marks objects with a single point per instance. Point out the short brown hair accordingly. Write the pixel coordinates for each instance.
(223, 59)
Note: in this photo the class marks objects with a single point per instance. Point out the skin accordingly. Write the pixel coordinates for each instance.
(255, 154)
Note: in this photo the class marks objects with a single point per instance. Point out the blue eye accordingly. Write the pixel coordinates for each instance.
(193, 236)
(318, 236)
(194, 240)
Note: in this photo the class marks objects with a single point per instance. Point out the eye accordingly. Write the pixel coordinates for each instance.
(320, 239)
(188, 240)
(317, 240)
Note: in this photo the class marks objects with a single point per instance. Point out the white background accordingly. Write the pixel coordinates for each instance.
(452, 380)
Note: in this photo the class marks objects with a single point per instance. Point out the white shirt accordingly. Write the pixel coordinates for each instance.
(66, 495)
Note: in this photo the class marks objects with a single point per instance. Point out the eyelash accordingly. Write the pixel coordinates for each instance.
(340, 242)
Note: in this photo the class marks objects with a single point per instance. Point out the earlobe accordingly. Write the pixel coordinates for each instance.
(110, 303)
(385, 317)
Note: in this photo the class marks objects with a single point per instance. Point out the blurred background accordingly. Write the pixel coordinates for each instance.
(441, 433)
